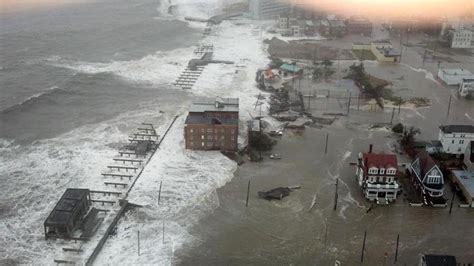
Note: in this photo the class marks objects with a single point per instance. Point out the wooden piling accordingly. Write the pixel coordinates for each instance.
(163, 240)
(159, 193)
(138, 238)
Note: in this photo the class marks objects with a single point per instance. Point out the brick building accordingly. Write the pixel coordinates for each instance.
(213, 125)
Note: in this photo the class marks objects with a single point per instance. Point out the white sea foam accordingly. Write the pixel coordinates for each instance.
(190, 179)
(157, 69)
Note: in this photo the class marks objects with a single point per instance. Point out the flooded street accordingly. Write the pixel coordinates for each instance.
(288, 232)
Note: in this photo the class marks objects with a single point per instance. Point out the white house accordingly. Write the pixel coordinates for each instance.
(455, 138)
(454, 76)
(462, 39)
(466, 88)
(469, 156)
(376, 175)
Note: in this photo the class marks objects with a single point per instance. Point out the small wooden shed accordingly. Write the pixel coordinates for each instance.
(67, 214)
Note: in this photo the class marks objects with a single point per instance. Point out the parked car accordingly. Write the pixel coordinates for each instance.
(276, 133)
(275, 156)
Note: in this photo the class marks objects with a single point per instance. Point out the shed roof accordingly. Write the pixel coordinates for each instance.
(290, 68)
(456, 71)
(457, 129)
(62, 212)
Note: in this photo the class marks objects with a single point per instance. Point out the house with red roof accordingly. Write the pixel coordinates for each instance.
(428, 179)
(376, 174)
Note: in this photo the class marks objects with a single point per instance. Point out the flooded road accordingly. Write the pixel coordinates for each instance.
(287, 232)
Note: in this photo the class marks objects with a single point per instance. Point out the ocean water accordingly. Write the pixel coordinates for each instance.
(74, 81)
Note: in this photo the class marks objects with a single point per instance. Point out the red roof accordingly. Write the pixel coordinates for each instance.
(379, 160)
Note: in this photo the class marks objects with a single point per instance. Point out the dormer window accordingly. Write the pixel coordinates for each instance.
(391, 171)
(382, 171)
(373, 170)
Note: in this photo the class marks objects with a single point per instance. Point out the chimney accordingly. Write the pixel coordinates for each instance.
(370, 148)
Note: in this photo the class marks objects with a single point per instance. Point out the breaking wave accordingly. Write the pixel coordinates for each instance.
(32, 99)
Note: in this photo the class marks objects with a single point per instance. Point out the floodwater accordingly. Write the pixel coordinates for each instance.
(287, 233)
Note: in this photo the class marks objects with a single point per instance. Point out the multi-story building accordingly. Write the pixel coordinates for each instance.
(455, 138)
(427, 179)
(213, 125)
(462, 39)
(268, 9)
(283, 21)
(376, 175)
(466, 88)
(359, 25)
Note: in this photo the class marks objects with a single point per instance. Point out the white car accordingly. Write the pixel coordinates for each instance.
(275, 156)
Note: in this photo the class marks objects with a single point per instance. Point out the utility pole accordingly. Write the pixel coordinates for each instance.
(248, 193)
(363, 247)
(396, 249)
(393, 113)
(449, 106)
(327, 139)
(399, 104)
(452, 202)
(349, 104)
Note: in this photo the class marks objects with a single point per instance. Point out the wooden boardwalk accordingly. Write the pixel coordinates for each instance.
(113, 201)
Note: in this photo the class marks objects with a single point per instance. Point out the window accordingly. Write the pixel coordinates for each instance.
(373, 170)
(209, 137)
(202, 136)
(202, 144)
(461, 141)
(191, 130)
(452, 142)
(382, 171)
(202, 130)
(209, 130)
(372, 179)
(381, 179)
(209, 144)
